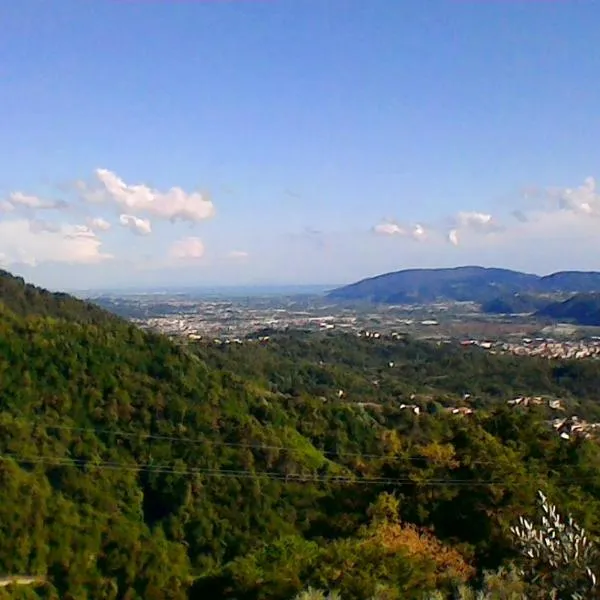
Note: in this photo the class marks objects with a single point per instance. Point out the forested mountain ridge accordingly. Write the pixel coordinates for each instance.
(583, 309)
(131, 467)
(463, 284)
(26, 299)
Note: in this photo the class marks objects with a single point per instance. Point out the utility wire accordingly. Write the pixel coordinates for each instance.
(205, 441)
(246, 474)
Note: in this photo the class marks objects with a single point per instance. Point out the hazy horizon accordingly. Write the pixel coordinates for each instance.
(261, 288)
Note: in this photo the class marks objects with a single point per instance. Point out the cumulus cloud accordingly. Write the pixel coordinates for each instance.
(36, 242)
(98, 224)
(174, 204)
(135, 224)
(466, 223)
(186, 249)
(391, 228)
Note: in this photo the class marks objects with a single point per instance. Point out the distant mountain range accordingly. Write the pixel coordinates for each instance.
(496, 290)
(583, 309)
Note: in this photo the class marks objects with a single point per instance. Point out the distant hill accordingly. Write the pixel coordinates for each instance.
(582, 309)
(463, 284)
(25, 299)
(515, 304)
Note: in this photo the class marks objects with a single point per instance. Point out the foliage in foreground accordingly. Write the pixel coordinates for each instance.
(558, 561)
(560, 558)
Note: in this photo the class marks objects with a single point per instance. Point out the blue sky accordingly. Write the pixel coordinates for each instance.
(312, 141)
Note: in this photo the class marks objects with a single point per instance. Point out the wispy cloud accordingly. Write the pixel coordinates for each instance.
(6, 206)
(18, 200)
(190, 248)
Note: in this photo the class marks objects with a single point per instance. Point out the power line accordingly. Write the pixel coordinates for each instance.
(247, 474)
(194, 441)
(242, 474)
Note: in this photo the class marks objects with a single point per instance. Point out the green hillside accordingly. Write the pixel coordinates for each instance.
(135, 468)
(25, 299)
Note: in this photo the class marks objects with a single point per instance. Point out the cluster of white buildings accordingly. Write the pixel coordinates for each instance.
(570, 427)
(542, 347)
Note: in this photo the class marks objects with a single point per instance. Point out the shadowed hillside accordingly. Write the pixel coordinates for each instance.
(582, 309)
(463, 284)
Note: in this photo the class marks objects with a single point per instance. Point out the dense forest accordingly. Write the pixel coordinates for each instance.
(136, 467)
(25, 299)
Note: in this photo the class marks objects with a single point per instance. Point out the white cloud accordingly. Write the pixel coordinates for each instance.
(390, 228)
(585, 199)
(187, 248)
(98, 224)
(79, 231)
(419, 232)
(565, 214)
(464, 224)
(135, 224)
(238, 254)
(32, 243)
(21, 200)
(6, 207)
(475, 221)
(174, 204)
